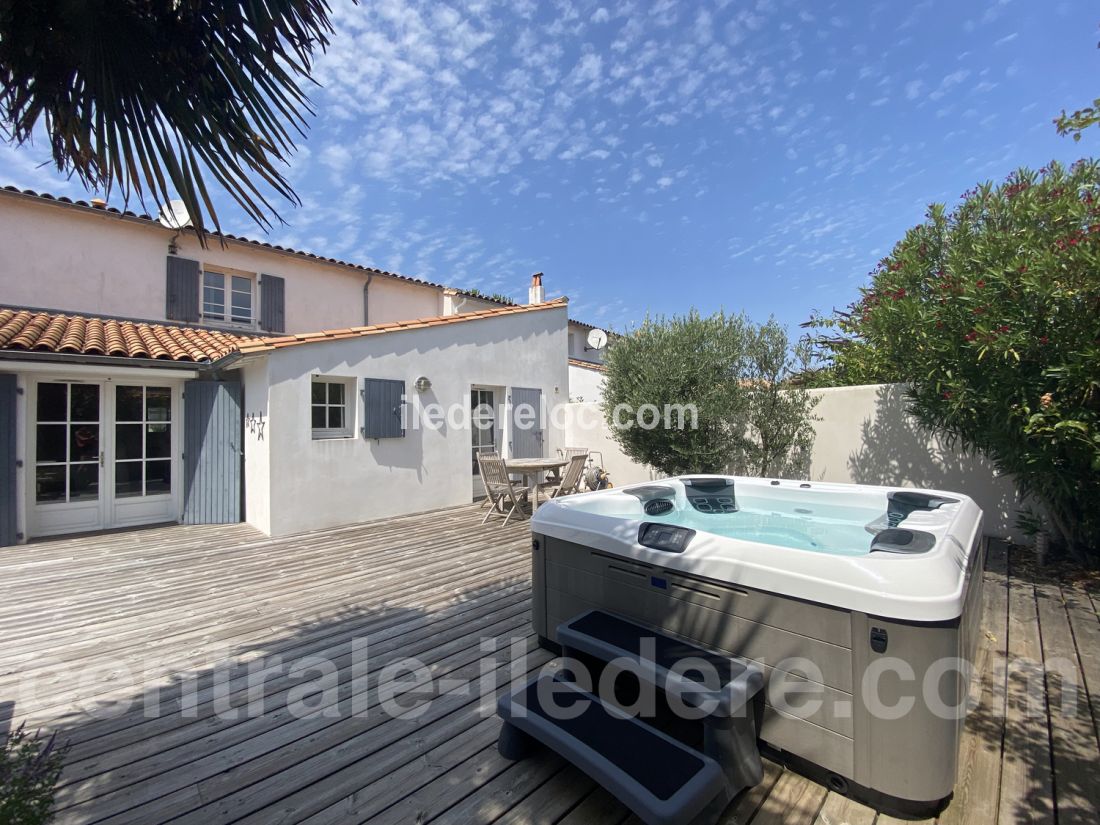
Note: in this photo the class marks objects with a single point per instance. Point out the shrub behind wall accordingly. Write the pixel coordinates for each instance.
(991, 314)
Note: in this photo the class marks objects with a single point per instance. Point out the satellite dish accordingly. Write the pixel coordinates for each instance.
(597, 339)
(173, 215)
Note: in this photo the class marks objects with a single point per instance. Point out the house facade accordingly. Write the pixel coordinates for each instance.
(144, 379)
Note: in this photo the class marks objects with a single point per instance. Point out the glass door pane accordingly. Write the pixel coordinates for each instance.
(482, 424)
(143, 441)
(67, 442)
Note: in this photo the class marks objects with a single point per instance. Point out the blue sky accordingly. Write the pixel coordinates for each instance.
(651, 157)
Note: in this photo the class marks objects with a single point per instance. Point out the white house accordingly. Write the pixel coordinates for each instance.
(145, 379)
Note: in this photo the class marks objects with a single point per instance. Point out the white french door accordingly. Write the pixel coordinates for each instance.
(103, 455)
(483, 430)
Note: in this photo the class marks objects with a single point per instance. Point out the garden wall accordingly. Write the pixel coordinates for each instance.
(863, 437)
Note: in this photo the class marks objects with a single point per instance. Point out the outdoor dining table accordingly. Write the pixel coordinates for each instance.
(530, 468)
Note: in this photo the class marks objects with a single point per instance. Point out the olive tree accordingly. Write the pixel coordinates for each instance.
(694, 394)
(779, 418)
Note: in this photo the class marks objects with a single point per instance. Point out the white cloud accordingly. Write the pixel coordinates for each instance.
(335, 157)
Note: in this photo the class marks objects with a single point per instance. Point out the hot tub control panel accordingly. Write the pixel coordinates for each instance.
(666, 537)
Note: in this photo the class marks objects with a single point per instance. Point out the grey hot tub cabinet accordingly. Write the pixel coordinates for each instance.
(907, 764)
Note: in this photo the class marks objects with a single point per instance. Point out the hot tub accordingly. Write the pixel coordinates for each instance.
(862, 605)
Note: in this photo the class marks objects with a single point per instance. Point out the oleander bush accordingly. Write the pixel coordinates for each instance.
(990, 313)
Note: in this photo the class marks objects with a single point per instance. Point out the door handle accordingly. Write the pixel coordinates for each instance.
(101, 458)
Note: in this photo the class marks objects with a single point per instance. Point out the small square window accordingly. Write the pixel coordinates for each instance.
(330, 416)
(227, 298)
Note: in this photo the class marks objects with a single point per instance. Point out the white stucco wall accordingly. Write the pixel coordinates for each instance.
(323, 483)
(585, 384)
(82, 260)
(257, 444)
(863, 437)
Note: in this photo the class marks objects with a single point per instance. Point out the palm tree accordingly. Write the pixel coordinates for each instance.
(152, 97)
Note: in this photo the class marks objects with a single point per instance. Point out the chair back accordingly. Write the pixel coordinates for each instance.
(494, 476)
(571, 478)
(568, 452)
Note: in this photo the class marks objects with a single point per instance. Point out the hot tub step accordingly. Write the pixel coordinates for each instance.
(723, 686)
(654, 655)
(661, 780)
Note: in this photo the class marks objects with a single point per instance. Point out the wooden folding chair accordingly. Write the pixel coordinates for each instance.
(571, 478)
(506, 499)
(567, 453)
(487, 454)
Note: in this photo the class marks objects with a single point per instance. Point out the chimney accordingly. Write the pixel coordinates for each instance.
(536, 294)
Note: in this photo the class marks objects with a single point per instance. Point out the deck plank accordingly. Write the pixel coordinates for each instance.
(1027, 794)
(793, 798)
(598, 808)
(839, 810)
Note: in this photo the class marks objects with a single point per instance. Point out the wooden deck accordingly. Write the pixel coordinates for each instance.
(110, 624)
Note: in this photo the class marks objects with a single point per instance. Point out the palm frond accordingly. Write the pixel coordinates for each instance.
(154, 97)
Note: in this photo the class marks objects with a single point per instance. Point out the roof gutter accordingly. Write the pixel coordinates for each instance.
(235, 360)
(102, 360)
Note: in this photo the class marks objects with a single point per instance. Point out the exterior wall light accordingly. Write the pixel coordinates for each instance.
(422, 384)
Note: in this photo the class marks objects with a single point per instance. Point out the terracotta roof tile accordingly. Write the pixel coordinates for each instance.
(254, 345)
(34, 331)
(588, 365)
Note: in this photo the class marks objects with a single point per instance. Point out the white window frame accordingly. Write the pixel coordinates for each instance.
(227, 275)
(348, 430)
(477, 413)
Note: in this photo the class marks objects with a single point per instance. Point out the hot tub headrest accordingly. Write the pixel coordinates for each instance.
(902, 541)
(709, 485)
(651, 491)
(900, 503)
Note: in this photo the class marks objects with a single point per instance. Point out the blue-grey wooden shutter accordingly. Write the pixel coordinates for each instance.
(527, 436)
(383, 408)
(366, 304)
(8, 399)
(182, 290)
(212, 433)
(273, 303)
